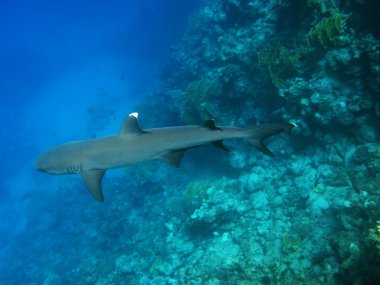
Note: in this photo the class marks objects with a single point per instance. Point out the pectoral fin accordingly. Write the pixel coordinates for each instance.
(174, 157)
(220, 145)
(259, 145)
(93, 181)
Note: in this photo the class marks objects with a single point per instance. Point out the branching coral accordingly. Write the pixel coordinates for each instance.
(280, 61)
(374, 235)
(322, 5)
(194, 194)
(195, 100)
(328, 31)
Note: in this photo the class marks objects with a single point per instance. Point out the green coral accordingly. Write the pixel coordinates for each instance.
(281, 62)
(374, 235)
(321, 5)
(329, 30)
(195, 100)
(195, 194)
(314, 3)
(291, 243)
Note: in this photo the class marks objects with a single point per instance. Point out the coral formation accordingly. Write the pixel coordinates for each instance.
(197, 99)
(329, 30)
(280, 62)
(308, 216)
(374, 234)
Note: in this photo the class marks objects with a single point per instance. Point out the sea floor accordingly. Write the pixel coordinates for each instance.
(242, 219)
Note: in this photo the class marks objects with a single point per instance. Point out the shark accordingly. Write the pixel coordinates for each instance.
(91, 158)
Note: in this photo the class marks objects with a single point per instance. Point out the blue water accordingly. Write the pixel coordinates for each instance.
(68, 70)
(60, 61)
(73, 70)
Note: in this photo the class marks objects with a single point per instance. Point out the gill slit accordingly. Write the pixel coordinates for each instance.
(77, 168)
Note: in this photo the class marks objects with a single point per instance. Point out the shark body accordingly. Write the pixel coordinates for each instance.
(91, 158)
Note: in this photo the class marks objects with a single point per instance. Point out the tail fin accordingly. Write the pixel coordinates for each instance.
(261, 132)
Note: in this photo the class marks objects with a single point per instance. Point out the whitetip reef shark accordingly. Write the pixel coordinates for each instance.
(91, 158)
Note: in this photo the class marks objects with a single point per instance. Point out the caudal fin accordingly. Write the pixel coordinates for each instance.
(259, 133)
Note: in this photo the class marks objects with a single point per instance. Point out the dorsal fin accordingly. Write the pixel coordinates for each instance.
(130, 126)
(210, 124)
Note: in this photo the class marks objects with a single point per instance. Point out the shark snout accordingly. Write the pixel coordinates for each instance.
(51, 162)
(44, 163)
(39, 165)
(41, 169)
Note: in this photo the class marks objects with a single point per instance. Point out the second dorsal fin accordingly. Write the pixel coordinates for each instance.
(210, 124)
(130, 126)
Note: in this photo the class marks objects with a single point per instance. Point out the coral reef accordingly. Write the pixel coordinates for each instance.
(325, 70)
(281, 62)
(197, 101)
(308, 216)
(374, 235)
(329, 30)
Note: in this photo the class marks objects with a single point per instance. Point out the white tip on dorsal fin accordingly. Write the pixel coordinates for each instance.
(130, 126)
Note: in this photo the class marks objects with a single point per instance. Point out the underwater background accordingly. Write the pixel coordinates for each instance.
(73, 70)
